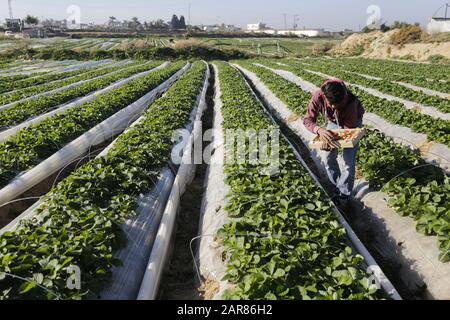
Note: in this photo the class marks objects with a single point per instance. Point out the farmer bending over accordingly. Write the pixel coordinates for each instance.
(342, 110)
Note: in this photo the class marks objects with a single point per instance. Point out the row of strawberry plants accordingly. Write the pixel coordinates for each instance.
(413, 75)
(19, 74)
(422, 194)
(33, 144)
(4, 79)
(385, 86)
(297, 100)
(284, 240)
(78, 222)
(87, 76)
(5, 67)
(24, 110)
(10, 85)
(393, 71)
(430, 71)
(437, 130)
(6, 64)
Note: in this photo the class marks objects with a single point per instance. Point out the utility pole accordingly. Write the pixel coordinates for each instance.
(295, 21)
(10, 9)
(447, 5)
(285, 21)
(189, 14)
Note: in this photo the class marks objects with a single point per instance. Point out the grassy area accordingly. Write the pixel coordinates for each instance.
(253, 46)
(271, 46)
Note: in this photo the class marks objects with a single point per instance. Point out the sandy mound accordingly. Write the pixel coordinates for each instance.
(357, 43)
(378, 45)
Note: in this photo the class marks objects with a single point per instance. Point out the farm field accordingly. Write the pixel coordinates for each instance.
(270, 46)
(256, 46)
(97, 198)
(88, 44)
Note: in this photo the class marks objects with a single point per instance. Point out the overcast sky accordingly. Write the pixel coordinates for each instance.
(331, 15)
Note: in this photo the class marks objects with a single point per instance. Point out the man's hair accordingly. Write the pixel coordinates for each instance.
(334, 91)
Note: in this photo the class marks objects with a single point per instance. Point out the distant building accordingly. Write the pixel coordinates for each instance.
(231, 28)
(309, 33)
(221, 28)
(14, 25)
(438, 25)
(212, 28)
(114, 24)
(252, 27)
(55, 24)
(73, 24)
(34, 33)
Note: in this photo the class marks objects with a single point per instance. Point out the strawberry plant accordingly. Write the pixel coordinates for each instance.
(11, 79)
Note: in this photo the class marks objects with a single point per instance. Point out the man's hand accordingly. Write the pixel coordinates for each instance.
(328, 139)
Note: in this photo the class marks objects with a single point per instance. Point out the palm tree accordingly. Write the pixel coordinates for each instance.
(111, 21)
(135, 22)
(174, 23)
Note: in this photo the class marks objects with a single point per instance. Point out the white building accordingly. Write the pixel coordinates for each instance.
(34, 32)
(55, 24)
(221, 28)
(13, 24)
(256, 27)
(232, 28)
(310, 33)
(211, 28)
(73, 24)
(439, 25)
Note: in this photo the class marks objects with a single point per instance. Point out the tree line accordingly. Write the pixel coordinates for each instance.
(175, 24)
(134, 24)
